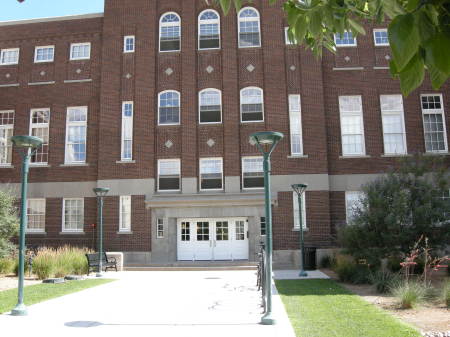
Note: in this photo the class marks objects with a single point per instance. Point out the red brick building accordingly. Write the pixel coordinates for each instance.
(157, 99)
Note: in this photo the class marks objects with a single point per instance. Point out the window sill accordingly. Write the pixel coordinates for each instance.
(381, 68)
(354, 157)
(126, 162)
(396, 155)
(125, 232)
(39, 165)
(72, 233)
(7, 166)
(306, 229)
(300, 156)
(78, 81)
(250, 122)
(41, 83)
(348, 68)
(436, 154)
(74, 164)
(9, 85)
(36, 233)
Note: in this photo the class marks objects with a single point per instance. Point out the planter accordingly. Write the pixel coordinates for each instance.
(54, 280)
(74, 278)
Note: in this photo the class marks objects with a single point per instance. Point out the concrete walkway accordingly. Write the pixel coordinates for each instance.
(161, 303)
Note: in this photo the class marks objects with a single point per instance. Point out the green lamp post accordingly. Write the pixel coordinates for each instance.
(100, 192)
(300, 189)
(28, 144)
(266, 142)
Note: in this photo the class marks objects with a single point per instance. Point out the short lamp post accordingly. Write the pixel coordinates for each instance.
(266, 142)
(300, 189)
(28, 146)
(100, 192)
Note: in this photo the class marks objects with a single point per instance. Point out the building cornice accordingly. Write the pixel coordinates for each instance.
(51, 19)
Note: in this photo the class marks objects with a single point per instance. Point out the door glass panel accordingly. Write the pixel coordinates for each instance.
(202, 231)
(185, 231)
(222, 230)
(240, 230)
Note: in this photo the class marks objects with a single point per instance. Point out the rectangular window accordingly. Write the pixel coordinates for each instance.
(73, 215)
(296, 214)
(352, 126)
(6, 132)
(129, 44)
(76, 130)
(287, 38)
(169, 174)
(352, 204)
(9, 56)
(210, 106)
(209, 33)
(394, 135)
(295, 120)
(345, 40)
(262, 222)
(434, 123)
(39, 126)
(127, 131)
(125, 213)
(44, 54)
(35, 215)
(211, 174)
(80, 51)
(380, 37)
(252, 172)
(160, 229)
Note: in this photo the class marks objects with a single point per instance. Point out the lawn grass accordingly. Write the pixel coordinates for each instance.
(322, 308)
(42, 292)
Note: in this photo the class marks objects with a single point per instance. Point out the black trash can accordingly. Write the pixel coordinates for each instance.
(310, 258)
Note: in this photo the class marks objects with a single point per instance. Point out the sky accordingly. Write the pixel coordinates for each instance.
(33, 9)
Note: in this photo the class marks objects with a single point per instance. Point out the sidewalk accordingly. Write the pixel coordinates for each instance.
(161, 304)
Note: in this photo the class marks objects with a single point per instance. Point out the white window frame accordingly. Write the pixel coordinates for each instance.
(435, 112)
(242, 174)
(8, 143)
(35, 230)
(125, 39)
(160, 228)
(122, 139)
(44, 47)
(262, 101)
(200, 173)
(40, 125)
(210, 22)
(3, 51)
(295, 212)
(200, 105)
(375, 39)
(346, 44)
(168, 24)
(72, 58)
(179, 174)
(179, 107)
(239, 20)
(64, 230)
(359, 195)
(292, 118)
(123, 199)
(287, 41)
(353, 113)
(85, 124)
(393, 113)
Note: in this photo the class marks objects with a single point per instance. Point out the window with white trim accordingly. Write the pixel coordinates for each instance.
(345, 40)
(249, 28)
(296, 211)
(169, 108)
(159, 228)
(76, 129)
(210, 106)
(252, 172)
(352, 125)
(252, 105)
(169, 174)
(39, 127)
(170, 32)
(208, 30)
(127, 131)
(394, 135)
(125, 213)
(287, 38)
(262, 223)
(434, 123)
(73, 215)
(44, 54)
(9, 56)
(353, 203)
(6, 132)
(211, 174)
(35, 215)
(80, 51)
(295, 124)
(380, 37)
(129, 44)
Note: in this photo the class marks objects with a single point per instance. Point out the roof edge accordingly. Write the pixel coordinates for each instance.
(51, 19)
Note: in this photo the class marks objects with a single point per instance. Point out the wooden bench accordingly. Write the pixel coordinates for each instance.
(107, 263)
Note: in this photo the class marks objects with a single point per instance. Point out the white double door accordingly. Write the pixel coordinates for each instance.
(212, 239)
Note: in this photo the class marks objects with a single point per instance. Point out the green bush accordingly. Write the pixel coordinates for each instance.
(383, 280)
(44, 264)
(327, 261)
(345, 268)
(446, 293)
(16, 266)
(361, 275)
(7, 265)
(409, 294)
(393, 263)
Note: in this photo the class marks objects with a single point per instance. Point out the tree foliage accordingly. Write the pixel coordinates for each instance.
(419, 31)
(9, 223)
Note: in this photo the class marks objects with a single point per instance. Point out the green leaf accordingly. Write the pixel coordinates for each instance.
(238, 4)
(393, 69)
(437, 51)
(300, 28)
(404, 39)
(425, 26)
(355, 26)
(437, 77)
(315, 25)
(226, 5)
(392, 8)
(412, 5)
(411, 77)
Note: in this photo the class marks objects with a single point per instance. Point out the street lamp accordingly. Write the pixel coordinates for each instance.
(266, 142)
(28, 144)
(100, 192)
(300, 189)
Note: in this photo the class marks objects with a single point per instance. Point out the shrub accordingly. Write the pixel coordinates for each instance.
(345, 268)
(446, 293)
(393, 263)
(44, 263)
(7, 265)
(327, 261)
(16, 266)
(409, 294)
(383, 280)
(361, 275)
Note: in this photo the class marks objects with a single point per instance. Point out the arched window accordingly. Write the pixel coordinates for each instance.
(169, 108)
(208, 30)
(249, 28)
(170, 32)
(210, 106)
(252, 105)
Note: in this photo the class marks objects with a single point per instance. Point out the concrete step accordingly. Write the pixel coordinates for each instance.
(193, 266)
